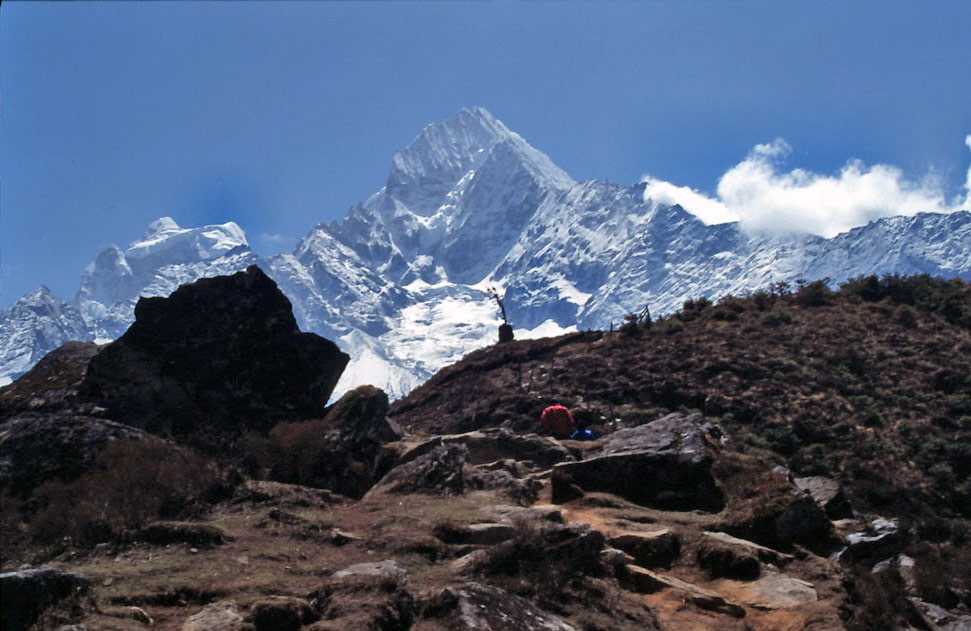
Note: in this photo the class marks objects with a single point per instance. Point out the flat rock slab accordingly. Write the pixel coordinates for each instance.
(644, 581)
(377, 569)
(776, 591)
(489, 445)
(479, 534)
(764, 554)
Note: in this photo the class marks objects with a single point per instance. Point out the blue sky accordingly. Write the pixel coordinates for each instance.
(280, 116)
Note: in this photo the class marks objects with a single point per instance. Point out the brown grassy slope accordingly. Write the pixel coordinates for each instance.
(858, 384)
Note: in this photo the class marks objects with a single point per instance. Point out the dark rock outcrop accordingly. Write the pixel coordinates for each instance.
(828, 493)
(784, 519)
(218, 356)
(38, 447)
(52, 384)
(26, 594)
(881, 539)
(728, 561)
(281, 613)
(664, 464)
(479, 607)
(168, 532)
(659, 548)
(509, 476)
(438, 472)
(365, 596)
(344, 450)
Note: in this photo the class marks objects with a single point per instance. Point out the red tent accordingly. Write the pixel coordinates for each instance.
(557, 420)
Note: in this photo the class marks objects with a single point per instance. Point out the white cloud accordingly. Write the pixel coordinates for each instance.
(764, 197)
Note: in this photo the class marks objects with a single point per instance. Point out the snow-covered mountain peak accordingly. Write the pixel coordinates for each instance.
(424, 172)
(167, 240)
(161, 227)
(40, 298)
(401, 281)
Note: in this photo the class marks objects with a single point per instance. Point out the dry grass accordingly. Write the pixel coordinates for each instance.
(134, 482)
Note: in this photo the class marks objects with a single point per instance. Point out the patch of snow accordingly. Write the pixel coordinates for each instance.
(548, 328)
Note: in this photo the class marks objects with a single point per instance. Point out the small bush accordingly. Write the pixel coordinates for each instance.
(776, 317)
(531, 564)
(135, 482)
(11, 516)
(814, 294)
(693, 307)
(763, 299)
(906, 317)
(876, 598)
(297, 450)
(670, 326)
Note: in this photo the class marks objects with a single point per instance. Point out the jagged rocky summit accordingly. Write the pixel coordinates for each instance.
(400, 281)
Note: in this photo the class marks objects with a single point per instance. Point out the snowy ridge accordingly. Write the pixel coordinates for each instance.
(401, 282)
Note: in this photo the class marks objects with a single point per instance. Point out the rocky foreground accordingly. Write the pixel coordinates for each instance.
(183, 477)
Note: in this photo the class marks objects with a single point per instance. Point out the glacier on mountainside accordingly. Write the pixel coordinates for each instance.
(401, 281)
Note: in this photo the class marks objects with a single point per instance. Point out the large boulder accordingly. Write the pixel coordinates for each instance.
(281, 613)
(767, 508)
(881, 539)
(665, 464)
(218, 356)
(441, 471)
(344, 451)
(38, 447)
(366, 596)
(658, 548)
(827, 493)
(724, 556)
(479, 607)
(26, 594)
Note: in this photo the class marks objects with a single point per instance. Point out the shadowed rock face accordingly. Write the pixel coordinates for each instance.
(219, 355)
(664, 464)
(38, 447)
(27, 593)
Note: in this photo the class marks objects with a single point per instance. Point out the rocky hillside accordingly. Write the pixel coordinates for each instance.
(870, 384)
(791, 460)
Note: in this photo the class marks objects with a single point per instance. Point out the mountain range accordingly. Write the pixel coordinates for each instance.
(401, 282)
